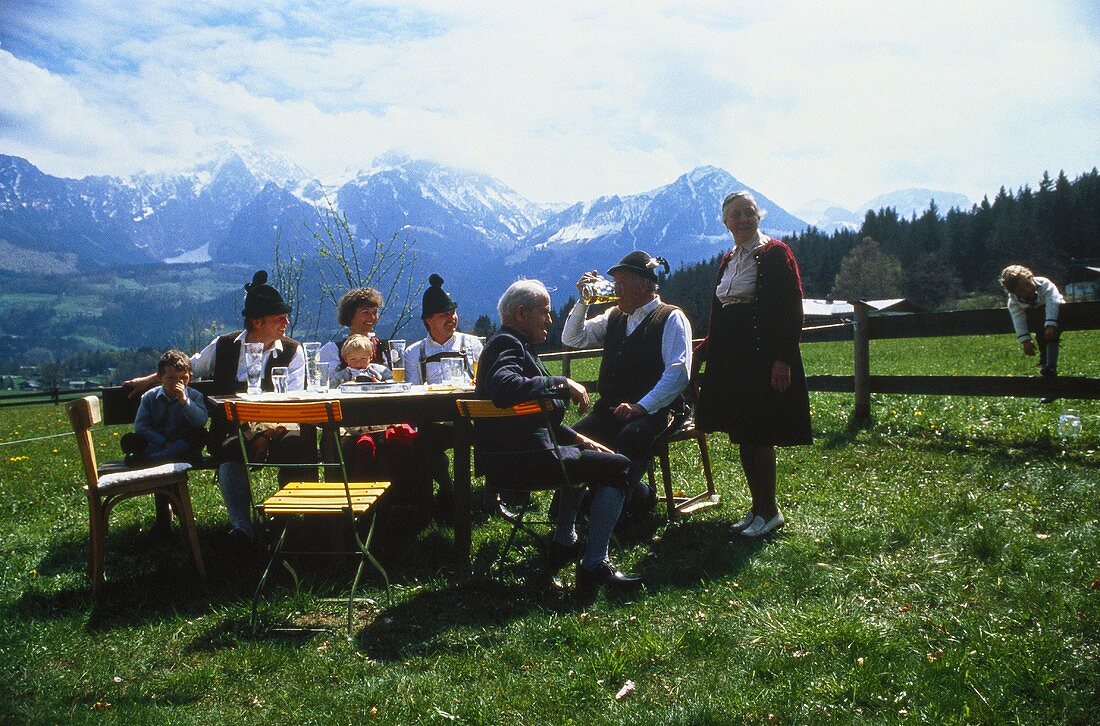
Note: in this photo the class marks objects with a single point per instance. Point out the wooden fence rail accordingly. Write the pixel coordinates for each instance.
(862, 328)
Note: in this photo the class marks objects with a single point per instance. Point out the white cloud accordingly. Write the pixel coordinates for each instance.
(567, 101)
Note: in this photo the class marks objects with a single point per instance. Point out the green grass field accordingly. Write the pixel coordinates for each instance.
(940, 565)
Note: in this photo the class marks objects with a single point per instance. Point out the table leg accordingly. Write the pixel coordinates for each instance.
(462, 493)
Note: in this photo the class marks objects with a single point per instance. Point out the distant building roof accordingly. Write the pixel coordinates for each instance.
(818, 308)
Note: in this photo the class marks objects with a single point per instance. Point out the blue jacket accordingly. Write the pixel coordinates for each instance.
(510, 372)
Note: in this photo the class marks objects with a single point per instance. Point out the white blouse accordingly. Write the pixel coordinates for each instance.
(738, 283)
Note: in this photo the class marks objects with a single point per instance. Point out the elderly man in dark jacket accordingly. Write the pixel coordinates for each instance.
(510, 372)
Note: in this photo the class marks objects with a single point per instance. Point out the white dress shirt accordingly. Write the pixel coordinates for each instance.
(429, 347)
(675, 347)
(202, 363)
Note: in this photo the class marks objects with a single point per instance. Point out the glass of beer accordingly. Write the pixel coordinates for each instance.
(600, 290)
(397, 360)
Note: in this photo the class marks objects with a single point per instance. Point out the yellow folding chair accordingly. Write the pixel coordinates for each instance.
(348, 502)
(511, 498)
(167, 483)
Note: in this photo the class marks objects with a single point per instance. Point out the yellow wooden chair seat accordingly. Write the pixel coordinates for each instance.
(304, 497)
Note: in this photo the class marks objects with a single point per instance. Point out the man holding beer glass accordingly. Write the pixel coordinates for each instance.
(645, 367)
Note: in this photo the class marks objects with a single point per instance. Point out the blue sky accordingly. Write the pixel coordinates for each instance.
(566, 101)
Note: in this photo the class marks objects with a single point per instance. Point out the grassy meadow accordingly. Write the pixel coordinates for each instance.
(941, 564)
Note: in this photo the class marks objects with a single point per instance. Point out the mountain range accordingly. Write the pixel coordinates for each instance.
(830, 217)
(237, 203)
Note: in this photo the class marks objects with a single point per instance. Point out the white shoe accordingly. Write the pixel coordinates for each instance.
(744, 522)
(759, 527)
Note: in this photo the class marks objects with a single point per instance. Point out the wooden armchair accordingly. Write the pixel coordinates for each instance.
(678, 501)
(167, 483)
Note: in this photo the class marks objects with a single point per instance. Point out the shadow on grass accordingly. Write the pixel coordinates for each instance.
(414, 628)
(149, 577)
(686, 554)
(848, 434)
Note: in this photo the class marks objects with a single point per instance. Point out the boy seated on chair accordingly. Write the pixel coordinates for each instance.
(171, 418)
(358, 353)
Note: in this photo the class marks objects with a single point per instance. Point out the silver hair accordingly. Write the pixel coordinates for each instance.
(747, 196)
(525, 293)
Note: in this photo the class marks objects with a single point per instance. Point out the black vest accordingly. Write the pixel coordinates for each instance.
(227, 358)
(632, 364)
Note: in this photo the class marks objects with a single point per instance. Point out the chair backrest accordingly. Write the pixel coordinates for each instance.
(474, 409)
(84, 413)
(303, 412)
(326, 414)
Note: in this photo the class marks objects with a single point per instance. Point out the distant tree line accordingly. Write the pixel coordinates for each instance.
(937, 260)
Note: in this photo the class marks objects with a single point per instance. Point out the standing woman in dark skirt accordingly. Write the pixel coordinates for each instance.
(754, 386)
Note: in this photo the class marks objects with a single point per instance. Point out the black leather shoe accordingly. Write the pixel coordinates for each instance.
(561, 555)
(605, 574)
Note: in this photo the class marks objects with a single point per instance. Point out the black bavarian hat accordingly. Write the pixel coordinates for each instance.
(640, 263)
(436, 299)
(262, 299)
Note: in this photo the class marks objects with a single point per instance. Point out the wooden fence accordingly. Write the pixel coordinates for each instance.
(862, 328)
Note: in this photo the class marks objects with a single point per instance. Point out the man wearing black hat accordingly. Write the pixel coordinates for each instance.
(645, 367)
(424, 364)
(266, 317)
(424, 358)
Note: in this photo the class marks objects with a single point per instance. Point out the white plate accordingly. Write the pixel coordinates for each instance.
(375, 387)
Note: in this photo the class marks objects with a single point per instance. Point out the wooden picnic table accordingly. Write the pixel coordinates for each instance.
(417, 406)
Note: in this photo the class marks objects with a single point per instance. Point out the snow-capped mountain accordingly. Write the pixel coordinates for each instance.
(680, 221)
(829, 217)
(236, 204)
(909, 202)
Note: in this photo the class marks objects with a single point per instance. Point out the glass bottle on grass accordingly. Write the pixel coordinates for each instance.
(1069, 424)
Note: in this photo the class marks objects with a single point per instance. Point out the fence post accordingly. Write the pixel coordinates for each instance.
(566, 368)
(862, 359)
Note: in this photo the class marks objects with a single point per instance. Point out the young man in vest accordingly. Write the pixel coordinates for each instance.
(424, 364)
(266, 317)
(645, 367)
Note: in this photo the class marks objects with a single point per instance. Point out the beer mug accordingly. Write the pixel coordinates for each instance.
(397, 360)
(598, 291)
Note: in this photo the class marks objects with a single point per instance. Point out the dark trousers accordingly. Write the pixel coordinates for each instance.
(633, 439)
(432, 465)
(1048, 351)
(543, 470)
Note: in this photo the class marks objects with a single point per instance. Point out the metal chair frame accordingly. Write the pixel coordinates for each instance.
(472, 410)
(350, 501)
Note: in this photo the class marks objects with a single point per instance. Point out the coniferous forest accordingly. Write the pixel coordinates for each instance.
(938, 260)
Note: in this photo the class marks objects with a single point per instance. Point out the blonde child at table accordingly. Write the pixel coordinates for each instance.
(358, 352)
(373, 452)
